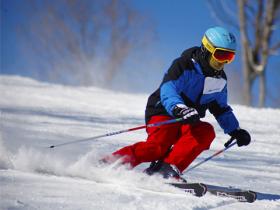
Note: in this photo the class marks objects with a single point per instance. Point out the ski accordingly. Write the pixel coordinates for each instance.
(238, 194)
(196, 189)
(200, 189)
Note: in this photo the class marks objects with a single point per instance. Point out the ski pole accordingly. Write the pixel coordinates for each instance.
(228, 145)
(119, 132)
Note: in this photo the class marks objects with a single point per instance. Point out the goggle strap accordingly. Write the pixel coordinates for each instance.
(210, 47)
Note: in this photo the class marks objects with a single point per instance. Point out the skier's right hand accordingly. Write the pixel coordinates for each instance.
(189, 114)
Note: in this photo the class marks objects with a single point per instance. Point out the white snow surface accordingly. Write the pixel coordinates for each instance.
(35, 115)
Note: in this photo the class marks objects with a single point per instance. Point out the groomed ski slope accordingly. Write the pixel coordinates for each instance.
(35, 115)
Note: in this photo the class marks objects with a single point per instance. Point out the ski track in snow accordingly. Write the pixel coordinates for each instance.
(35, 115)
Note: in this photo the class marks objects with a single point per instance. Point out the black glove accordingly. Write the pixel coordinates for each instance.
(190, 115)
(242, 137)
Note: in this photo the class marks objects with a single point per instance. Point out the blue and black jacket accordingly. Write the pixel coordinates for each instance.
(185, 83)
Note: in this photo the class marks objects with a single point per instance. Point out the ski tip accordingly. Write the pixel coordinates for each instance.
(254, 196)
(197, 189)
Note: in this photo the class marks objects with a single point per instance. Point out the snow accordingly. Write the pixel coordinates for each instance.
(35, 115)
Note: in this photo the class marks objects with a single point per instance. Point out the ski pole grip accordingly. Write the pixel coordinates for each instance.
(229, 142)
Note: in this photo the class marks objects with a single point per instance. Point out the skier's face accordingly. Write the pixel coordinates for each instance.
(218, 56)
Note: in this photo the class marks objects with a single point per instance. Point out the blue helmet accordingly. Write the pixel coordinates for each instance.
(218, 37)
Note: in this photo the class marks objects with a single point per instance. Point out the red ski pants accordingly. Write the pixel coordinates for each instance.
(188, 142)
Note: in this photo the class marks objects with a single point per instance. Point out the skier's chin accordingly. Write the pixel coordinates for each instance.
(216, 65)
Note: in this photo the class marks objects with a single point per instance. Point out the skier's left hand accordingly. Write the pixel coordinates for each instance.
(242, 137)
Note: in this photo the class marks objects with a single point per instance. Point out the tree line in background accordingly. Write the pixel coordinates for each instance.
(86, 42)
(257, 20)
(71, 35)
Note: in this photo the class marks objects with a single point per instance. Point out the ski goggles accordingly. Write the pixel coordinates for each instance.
(221, 55)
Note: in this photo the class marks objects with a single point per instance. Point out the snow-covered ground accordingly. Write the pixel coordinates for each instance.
(35, 115)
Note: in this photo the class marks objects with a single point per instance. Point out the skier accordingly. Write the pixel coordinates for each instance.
(194, 83)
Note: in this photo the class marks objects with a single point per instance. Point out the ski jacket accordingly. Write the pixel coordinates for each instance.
(185, 83)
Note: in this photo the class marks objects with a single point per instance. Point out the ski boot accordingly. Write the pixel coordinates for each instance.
(166, 170)
(153, 168)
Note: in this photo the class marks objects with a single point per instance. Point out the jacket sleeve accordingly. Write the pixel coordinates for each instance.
(223, 112)
(171, 87)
